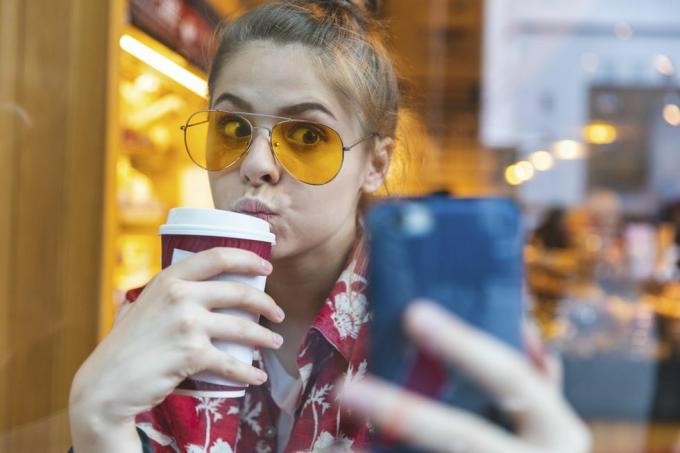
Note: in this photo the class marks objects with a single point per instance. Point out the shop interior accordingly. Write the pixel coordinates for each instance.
(586, 143)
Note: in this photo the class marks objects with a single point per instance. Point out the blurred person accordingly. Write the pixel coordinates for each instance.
(551, 266)
(552, 233)
(322, 62)
(605, 219)
(668, 243)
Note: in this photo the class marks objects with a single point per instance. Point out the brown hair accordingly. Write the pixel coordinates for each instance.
(347, 45)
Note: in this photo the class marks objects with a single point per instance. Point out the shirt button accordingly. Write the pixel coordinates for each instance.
(270, 432)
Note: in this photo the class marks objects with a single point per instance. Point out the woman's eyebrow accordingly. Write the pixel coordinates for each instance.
(235, 100)
(290, 110)
(305, 107)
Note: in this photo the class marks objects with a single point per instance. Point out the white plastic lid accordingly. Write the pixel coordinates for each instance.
(216, 222)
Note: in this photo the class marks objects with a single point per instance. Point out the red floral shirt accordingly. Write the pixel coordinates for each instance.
(334, 350)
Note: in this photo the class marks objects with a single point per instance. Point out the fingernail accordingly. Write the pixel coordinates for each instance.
(513, 404)
(357, 395)
(277, 340)
(267, 266)
(280, 315)
(260, 377)
(426, 315)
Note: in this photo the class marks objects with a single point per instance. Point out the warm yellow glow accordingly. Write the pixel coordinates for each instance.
(140, 189)
(541, 160)
(524, 170)
(195, 188)
(145, 115)
(671, 113)
(164, 65)
(519, 173)
(569, 150)
(599, 133)
(511, 176)
(147, 82)
(160, 136)
(131, 93)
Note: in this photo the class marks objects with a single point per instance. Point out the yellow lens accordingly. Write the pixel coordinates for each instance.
(215, 140)
(310, 152)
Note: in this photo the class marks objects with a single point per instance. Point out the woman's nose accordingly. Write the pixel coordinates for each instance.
(259, 165)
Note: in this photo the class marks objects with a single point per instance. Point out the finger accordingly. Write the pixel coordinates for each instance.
(415, 420)
(230, 367)
(219, 260)
(481, 357)
(244, 331)
(216, 294)
(497, 367)
(121, 311)
(543, 360)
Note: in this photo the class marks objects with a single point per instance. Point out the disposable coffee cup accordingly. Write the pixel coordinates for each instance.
(188, 231)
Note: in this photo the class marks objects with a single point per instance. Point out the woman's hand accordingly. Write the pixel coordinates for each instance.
(164, 337)
(544, 422)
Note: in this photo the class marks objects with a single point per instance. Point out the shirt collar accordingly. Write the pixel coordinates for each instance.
(344, 317)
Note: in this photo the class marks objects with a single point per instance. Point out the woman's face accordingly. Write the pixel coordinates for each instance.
(271, 79)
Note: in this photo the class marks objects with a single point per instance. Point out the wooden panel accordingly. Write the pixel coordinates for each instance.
(83, 199)
(37, 265)
(53, 155)
(9, 124)
(109, 246)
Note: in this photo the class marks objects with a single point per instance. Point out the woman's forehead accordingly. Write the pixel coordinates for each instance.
(271, 76)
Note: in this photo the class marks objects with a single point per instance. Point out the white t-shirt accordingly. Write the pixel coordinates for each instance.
(285, 392)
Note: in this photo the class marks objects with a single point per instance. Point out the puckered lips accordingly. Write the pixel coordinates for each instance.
(254, 207)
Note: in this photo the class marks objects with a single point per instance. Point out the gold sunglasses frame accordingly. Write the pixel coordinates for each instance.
(282, 119)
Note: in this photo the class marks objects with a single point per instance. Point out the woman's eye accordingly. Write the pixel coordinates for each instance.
(305, 135)
(235, 129)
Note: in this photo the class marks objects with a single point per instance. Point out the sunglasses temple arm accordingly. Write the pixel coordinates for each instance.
(347, 148)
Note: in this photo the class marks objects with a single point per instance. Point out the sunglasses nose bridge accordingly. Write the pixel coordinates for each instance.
(268, 138)
(266, 129)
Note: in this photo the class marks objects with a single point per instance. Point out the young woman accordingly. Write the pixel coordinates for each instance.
(302, 123)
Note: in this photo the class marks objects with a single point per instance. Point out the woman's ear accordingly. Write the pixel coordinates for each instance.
(378, 164)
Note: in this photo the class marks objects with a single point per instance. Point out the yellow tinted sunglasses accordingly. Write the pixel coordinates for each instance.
(310, 152)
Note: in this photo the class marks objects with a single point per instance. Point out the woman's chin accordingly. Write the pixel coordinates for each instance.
(279, 251)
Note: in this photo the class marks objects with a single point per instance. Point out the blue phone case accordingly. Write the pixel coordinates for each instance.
(466, 254)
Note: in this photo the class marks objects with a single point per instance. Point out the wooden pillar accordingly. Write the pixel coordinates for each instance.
(9, 11)
(56, 67)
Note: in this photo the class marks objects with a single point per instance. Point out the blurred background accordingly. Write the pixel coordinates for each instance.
(571, 107)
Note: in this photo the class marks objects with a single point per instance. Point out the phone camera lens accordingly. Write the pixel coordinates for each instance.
(416, 220)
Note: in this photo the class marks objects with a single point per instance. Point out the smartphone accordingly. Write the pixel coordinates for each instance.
(463, 253)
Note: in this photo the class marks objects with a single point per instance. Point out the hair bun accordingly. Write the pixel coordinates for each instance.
(370, 7)
(363, 7)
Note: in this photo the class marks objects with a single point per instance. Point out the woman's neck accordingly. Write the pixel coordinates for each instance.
(300, 286)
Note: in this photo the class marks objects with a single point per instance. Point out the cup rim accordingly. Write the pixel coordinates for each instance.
(216, 223)
(221, 232)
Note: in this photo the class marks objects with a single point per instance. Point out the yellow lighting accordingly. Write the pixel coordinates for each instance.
(195, 188)
(147, 82)
(519, 173)
(164, 65)
(151, 112)
(131, 93)
(599, 133)
(671, 113)
(160, 136)
(511, 176)
(524, 170)
(541, 160)
(569, 150)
